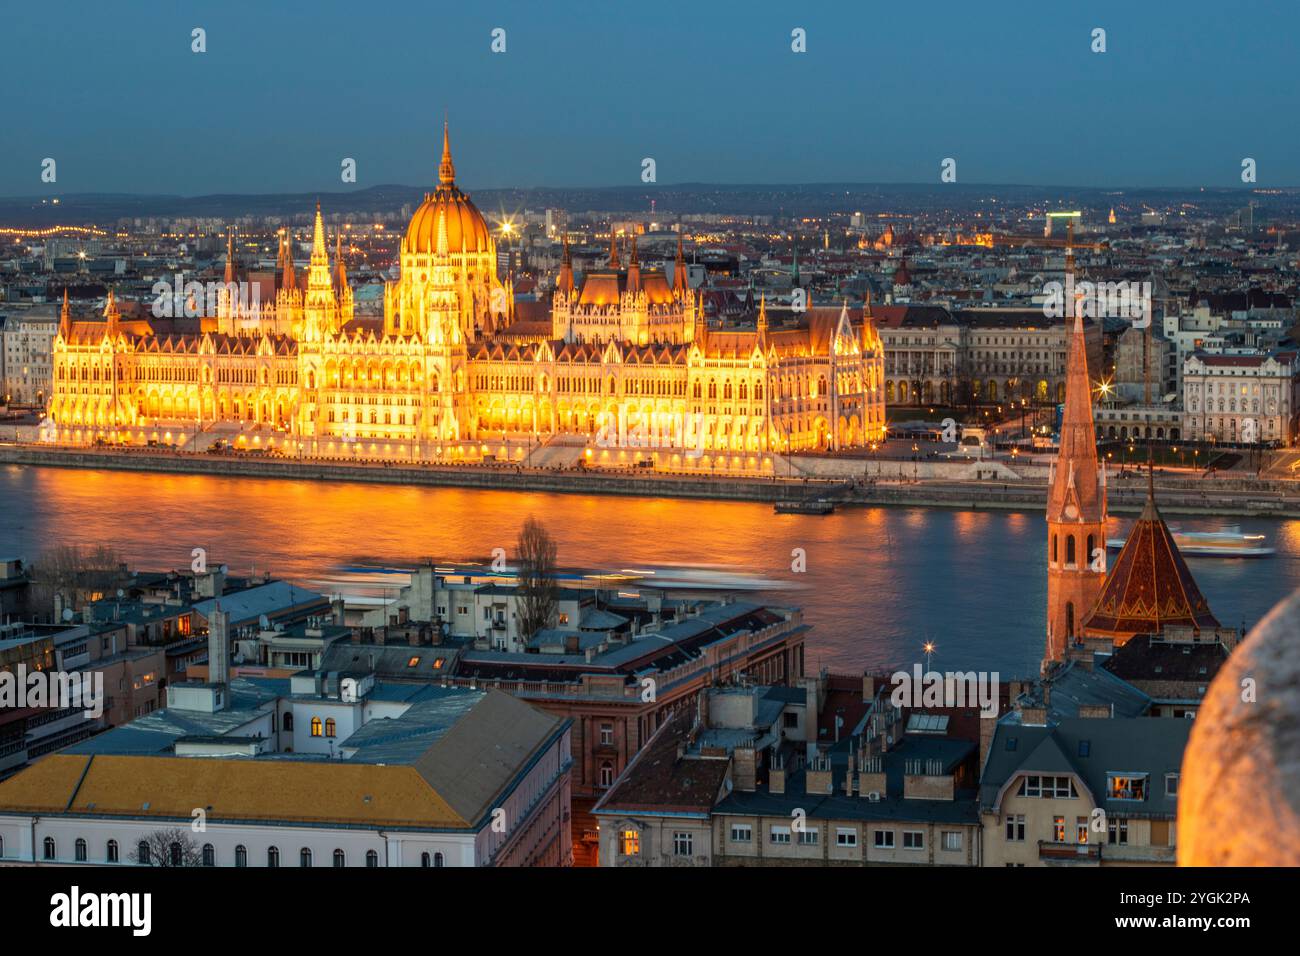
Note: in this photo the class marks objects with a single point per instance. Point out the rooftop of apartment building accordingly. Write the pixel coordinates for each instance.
(1122, 762)
(408, 771)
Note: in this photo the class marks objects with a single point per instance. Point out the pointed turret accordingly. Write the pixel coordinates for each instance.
(633, 269)
(679, 267)
(762, 320)
(565, 282)
(615, 261)
(319, 251)
(65, 317)
(230, 257)
(111, 315)
(288, 281)
(446, 168)
(870, 336)
(340, 269)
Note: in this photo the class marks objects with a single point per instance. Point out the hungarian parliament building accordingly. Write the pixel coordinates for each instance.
(451, 372)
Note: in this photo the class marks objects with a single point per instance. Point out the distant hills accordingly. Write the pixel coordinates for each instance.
(670, 200)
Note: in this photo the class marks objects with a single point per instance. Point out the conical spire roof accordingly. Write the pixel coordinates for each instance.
(446, 168)
(1076, 482)
(319, 251)
(1149, 586)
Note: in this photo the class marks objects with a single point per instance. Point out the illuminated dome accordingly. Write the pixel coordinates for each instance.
(467, 231)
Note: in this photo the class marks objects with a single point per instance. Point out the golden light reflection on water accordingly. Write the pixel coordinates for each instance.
(878, 582)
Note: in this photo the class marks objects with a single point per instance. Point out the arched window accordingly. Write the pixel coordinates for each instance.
(273, 856)
(209, 855)
(713, 389)
(329, 727)
(315, 726)
(142, 855)
(372, 858)
(437, 860)
(110, 853)
(1053, 549)
(174, 852)
(79, 849)
(304, 858)
(288, 721)
(241, 855)
(426, 861)
(1069, 549)
(340, 860)
(1092, 545)
(606, 774)
(1069, 620)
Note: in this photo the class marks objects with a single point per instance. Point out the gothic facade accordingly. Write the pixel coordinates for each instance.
(452, 371)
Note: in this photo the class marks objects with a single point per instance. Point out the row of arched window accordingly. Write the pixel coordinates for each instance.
(144, 854)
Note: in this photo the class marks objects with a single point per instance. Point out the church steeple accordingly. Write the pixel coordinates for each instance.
(1076, 509)
(615, 260)
(762, 319)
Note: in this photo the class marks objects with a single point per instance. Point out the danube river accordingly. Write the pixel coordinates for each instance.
(879, 581)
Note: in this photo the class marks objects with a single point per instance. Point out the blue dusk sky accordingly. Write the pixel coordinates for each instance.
(585, 90)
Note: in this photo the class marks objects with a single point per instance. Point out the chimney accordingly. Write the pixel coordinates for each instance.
(776, 776)
(219, 646)
(818, 779)
(336, 606)
(744, 767)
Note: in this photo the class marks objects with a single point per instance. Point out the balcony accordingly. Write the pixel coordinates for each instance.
(1128, 853)
(1085, 854)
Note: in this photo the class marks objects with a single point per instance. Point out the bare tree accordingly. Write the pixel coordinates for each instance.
(172, 847)
(75, 573)
(539, 595)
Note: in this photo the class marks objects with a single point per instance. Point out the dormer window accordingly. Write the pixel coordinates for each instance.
(1126, 786)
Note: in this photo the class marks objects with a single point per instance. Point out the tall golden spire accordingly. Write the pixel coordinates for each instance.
(762, 318)
(615, 261)
(319, 253)
(446, 168)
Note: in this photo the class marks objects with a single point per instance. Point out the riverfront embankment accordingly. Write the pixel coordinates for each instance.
(1177, 493)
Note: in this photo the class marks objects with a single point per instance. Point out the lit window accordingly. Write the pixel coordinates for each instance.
(315, 726)
(1127, 786)
(413, 662)
(330, 729)
(631, 842)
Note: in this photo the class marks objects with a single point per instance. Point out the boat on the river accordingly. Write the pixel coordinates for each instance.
(1228, 543)
(805, 506)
